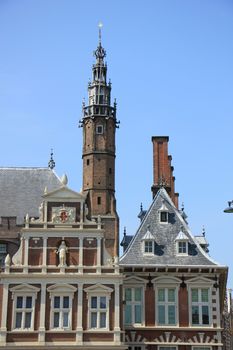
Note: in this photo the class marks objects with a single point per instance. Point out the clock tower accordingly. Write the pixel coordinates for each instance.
(99, 126)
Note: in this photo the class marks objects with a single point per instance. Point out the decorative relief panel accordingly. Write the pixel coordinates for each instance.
(63, 215)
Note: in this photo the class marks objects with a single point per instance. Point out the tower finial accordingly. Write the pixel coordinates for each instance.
(51, 163)
(100, 25)
(100, 53)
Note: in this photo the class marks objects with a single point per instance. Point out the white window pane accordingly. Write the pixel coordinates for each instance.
(93, 319)
(194, 293)
(103, 302)
(19, 302)
(28, 317)
(171, 294)
(18, 320)
(138, 317)
(66, 302)
(128, 294)
(56, 320)
(29, 302)
(128, 314)
(94, 302)
(171, 314)
(66, 319)
(161, 316)
(102, 320)
(161, 294)
(138, 294)
(56, 302)
(204, 295)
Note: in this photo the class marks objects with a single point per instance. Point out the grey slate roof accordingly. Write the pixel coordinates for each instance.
(21, 190)
(165, 235)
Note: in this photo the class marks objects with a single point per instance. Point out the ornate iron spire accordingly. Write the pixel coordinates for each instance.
(100, 53)
(51, 163)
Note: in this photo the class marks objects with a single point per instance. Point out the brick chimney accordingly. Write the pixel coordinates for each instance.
(162, 168)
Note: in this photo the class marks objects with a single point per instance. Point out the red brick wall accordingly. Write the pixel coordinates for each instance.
(149, 306)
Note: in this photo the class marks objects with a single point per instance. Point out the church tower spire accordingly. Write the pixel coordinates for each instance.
(99, 125)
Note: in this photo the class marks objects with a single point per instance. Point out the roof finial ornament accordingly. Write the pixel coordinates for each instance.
(203, 230)
(100, 53)
(141, 207)
(124, 231)
(51, 163)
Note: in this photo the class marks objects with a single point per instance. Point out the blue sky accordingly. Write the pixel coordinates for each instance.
(170, 63)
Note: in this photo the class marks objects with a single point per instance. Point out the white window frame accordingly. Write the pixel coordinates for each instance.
(24, 291)
(61, 290)
(133, 303)
(98, 291)
(152, 247)
(199, 304)
(98, 310)
(186, 247)
(61, 310)
(166, 304)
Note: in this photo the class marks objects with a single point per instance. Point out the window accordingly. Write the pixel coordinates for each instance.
(23, 312)
(99, 129)
(3, 253)
(163, 216)
(88, 161)
(133, 305)
(148, 247)
(61, 312)
(23, 306)
(98, 306)
(98, 312)
(135, 347)
(182, 247)
(98, 200)
(61, 296)
(167, 348)
(200, 311)
(201, 348)
(166, 306)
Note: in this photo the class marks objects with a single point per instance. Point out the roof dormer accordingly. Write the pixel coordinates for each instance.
(163, 213)
(181, 243)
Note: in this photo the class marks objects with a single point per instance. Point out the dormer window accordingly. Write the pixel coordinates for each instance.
(163, 213)
(163, 216)
(182, 243)
(182, 247)
(148, 242)
(148, 246)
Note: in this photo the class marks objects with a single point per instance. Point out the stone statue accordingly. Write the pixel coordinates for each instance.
(61, 251)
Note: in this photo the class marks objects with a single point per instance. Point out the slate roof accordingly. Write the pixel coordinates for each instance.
(165, 235)
(21, 189)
